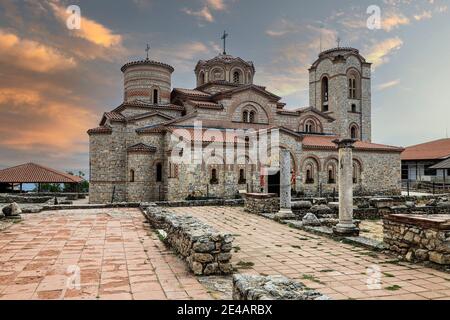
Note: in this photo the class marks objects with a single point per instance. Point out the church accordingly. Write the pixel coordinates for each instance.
(131, 150)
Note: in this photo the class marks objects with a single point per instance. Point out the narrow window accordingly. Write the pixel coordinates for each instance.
(155, 96)
(354, 132)
(309, 127)
(245, 116)
(353, 107)
(352, 87)
(355, 173)
(325, 94)
(131, 175)
(251, 117)
(242, 179)
(331, 176)
(309, 176)
(214, 179)
(201, 78)
(236, 77)
(159, 172)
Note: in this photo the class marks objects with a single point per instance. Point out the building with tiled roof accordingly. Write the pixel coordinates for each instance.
(419, 162)
(136, 150)
(35, 173)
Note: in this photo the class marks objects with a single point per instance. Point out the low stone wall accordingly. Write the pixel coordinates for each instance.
(201, 203)
(9, 198)
(253, 287)
(418, 237)
(207, 251)
(261, 203)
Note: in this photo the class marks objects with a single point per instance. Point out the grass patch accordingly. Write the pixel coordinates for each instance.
(388, 275)
(396, 262)
(303, 238)
(236, 249)
(296, 247)
(312, 278)
(395, 287)
(327, 270)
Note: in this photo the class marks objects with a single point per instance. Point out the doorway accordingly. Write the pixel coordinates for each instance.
(273, 182)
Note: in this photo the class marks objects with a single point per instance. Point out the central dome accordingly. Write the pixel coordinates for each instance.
(224, 68)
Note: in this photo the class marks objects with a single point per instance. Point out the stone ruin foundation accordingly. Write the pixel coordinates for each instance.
(418, 237)
(254, 287)
(258, 203)
(206, 251)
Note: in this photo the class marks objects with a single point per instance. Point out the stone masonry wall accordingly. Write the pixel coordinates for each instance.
(418, 239)
(206, 251)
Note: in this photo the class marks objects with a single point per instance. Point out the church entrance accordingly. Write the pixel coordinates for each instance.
(273, 182)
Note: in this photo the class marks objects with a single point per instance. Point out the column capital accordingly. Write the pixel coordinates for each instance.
(344, 143)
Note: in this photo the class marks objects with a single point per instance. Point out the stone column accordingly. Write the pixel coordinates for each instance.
(285, 186)
(345, 227)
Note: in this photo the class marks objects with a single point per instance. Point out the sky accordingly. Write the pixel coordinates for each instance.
(55, 83)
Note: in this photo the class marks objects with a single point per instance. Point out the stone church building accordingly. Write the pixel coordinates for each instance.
(130, 151)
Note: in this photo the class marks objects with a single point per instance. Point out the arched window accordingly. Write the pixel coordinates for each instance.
(310, 126)
(242, 179)
(201, 78)
(356, 172)
(354, 131)
(325, 94)
(353, 107)
(131, 175)
(245, 116)
(309, 175)
(251, 117)
(352, 87)
(214, 179)
(331, 174)
(155, 96)
(159, 172)
(236, 77)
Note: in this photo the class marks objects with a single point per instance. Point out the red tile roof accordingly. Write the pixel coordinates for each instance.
(206, 104)
(433, 150)
(140, 147)
(192, 92)
(34, 173)
(100, 130)
(326, 142)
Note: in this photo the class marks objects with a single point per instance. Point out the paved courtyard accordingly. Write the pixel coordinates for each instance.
(339, 270)
(116, 254)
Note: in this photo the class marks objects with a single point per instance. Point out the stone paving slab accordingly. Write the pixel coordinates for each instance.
(339, 270)
(114, 250)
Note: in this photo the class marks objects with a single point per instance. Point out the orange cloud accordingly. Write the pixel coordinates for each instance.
(379, 53)
(218, 5)
(40, 123)
(204, 13)
(394, 20)
(90, 30)
(31, 55)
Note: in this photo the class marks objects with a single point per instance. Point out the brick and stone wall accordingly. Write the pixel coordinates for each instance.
(418, 237)
(206, 251)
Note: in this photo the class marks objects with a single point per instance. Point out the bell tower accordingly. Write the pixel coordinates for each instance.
(340, 85)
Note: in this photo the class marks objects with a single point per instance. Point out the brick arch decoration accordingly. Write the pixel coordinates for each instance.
(212, 71)
(315, 162)
(242, 74)
(317, 123)
(262, 115)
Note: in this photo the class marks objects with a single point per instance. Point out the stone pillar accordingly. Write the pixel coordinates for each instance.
(345, 227)
(285, 186)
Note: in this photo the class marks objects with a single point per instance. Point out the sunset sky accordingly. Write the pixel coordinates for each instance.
(55, 83)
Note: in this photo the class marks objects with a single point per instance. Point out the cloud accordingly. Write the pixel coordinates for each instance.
(388, 85)
(203, 13)
(393, 20)
(218, 5)
(423, 15)
(380, 52)
(91, 30)
(32, 55)
(40, 123)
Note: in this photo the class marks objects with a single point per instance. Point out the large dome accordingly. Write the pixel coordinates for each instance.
(224, 68)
